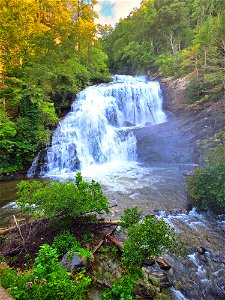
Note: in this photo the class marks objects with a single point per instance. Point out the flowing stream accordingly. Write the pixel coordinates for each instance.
(118, 134)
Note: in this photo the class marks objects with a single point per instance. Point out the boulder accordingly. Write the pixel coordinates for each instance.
(156, 276)
(144, 291)
(4, 295)
(127, 124)
(164, 265)
(73, 261)
(160, 278)
(148, 262)
(201, 250)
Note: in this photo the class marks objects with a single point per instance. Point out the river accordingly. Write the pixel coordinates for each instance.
(119, 135)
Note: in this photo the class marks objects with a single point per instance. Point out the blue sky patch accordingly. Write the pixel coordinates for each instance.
(107, 9)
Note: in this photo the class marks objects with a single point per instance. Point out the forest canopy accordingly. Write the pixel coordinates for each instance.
(174, 38)
(49, 51)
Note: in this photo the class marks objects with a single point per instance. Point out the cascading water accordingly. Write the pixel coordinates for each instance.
(98, 128)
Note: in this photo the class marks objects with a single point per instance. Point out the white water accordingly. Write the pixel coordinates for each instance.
(98, 130)
(177, 295)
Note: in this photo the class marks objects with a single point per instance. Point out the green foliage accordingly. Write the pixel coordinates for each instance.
(65, 242)
(47, 56)
(151, 236)
(7, 144)
(165, 63)
(131, 217)
(173, 38)
(47, 280)
(207, 188)
(217, 156)
(54, 199)
(208, 87)
(122, 288)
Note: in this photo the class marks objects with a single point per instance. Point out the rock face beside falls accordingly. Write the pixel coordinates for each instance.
(98, 128)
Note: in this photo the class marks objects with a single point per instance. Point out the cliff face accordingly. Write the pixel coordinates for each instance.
(174, 91)
(209, 114)
(204, 122)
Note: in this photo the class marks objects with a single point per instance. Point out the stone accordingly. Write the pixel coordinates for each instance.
(161, 278)
(164, 265)
(144, 290)
(217, 289)
(201, 250)
(218, 258)
(4, 295)
(127, 124)
(148, 262)
(73, 261)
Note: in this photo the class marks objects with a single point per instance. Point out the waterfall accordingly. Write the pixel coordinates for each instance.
(98, 129)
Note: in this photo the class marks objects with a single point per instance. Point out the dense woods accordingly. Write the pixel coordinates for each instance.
(174, 38)
(48, 52)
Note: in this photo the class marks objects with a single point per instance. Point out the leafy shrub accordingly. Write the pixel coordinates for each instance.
(207, 188)
(204, 88)
(131, 217)
(169, 64)
(48, 280)
(65, 242)
(194, 91)
(151, 236)
(217, 156)
(61, 199)
(121, 289)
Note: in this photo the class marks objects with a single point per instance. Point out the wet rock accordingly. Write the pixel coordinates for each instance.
(220, 258)
(164, 265)
(219, 274)
(148, 262)
(203, 258)
(217, 288)
(160, 278)
(127, 124)
(156, 276)
(201, 250)
(72, 261)
(144, 290)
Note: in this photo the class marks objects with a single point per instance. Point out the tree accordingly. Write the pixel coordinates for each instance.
(55, 199)
(48, 52)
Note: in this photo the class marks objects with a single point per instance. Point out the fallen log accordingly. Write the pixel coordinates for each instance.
(111, 238)
(96, 248)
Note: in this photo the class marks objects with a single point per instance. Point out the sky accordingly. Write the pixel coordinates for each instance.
(110, 11)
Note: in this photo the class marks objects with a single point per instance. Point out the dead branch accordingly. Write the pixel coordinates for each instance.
(97, 247)
(111, 238)
(108, 222)
(18, 226)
